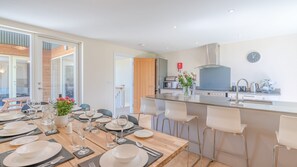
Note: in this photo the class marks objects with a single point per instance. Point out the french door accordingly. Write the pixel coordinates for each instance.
(56, 69)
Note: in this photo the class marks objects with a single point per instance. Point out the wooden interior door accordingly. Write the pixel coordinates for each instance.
(144, 79)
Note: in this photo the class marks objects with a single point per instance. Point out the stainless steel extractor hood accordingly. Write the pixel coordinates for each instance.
(212, 56)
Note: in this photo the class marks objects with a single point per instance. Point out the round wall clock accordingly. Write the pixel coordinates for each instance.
(253, 57)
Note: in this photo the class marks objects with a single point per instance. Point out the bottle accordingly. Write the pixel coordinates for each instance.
(69, 128)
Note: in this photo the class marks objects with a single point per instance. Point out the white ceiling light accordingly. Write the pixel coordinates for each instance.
(231, 10)
(141, 44)
(174, 27)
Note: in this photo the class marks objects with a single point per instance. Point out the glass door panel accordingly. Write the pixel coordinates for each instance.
(4, 78)
(14, 64)
(59, 69)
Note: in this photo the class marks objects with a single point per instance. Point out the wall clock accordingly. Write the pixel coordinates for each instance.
(253, 57)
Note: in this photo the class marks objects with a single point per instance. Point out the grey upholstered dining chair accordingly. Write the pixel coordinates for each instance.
(105, 112)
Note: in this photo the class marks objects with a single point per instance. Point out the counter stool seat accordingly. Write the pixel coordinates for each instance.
(225, 120)
(151, 107)
(286, 136)
(177, 112)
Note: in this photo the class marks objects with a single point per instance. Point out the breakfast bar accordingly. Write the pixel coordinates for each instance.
(262, 120)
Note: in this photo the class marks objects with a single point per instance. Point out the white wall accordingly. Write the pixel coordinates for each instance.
(97, 62)
(278, 62)
(124, 71)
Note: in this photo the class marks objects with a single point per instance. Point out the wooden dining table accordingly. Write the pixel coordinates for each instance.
(170, 146)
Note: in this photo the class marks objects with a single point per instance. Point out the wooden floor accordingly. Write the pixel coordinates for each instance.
(179, 161)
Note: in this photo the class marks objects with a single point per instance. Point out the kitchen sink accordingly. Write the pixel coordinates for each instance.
(252, 102)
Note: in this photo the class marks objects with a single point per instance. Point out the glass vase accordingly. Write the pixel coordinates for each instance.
(187, 91)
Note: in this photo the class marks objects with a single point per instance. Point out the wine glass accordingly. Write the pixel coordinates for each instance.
(35, 105)
(90, 114)
(51, 118)
(82, 135)
(122, 121)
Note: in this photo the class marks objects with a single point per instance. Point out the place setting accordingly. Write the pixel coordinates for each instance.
(18, 129)
(125, 153)
(12, 116)
(39, 153)
(120, 124)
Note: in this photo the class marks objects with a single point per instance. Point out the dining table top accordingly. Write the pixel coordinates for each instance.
(170, 146)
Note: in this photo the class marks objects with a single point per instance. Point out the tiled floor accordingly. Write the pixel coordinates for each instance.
(179, 160)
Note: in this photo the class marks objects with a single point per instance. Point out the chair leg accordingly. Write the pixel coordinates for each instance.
(275, 155)
(168, 124)
(181, 130)
(246, 151)
(154, 125)
(203, 144)
(199, 143)
(157, 124)
(214, 145)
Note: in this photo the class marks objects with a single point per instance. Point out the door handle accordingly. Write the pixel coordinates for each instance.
(39, 88)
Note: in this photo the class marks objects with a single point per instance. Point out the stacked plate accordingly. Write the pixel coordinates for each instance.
(32, 153)
(114, 126)
(96, 115)
(16, 128)
(9, 116)
(126, 155)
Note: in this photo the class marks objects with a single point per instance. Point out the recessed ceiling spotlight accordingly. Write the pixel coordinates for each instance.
(196, 43)
(231, 10)
(141, 44)
(174, 27)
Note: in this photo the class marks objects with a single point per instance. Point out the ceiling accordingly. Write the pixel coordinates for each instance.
(159, 25)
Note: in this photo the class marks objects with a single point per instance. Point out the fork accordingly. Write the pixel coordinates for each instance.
(52, 162)
(91, 164)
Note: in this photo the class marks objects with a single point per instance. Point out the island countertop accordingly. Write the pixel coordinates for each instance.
(273, 106)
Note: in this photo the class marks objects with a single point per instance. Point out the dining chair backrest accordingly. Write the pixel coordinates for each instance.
(133, 120)
(148, 106)
(85, 107)
(105, 112)
(176, 110)
(225, 119)
(288, 131)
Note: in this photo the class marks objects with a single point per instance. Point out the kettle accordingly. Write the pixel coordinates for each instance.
(254, 87)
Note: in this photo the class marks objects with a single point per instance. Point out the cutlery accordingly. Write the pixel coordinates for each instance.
(140, 145)
(52, 162)
(91, 164)
(28, 134)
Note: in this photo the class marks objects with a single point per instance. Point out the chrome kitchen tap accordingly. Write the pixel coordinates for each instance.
(247, 85)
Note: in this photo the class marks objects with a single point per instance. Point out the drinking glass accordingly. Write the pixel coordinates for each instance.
(90, 114)
(122, 121)
(110, 140)
(82, 135)
(51, 118)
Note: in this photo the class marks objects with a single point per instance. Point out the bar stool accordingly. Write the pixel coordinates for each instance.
(286, 136)
(226, 120)
(148, 106)
(177, 111)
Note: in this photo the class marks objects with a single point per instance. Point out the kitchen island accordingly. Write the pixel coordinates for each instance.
(261, 117)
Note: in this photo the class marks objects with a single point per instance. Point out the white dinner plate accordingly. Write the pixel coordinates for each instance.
(143, 133)
(15, 159)
(107, 160)
(10, 116)
(113, 126)
(15, 124)
(76, 108)
(24, 140)
(96, 115)
(78, 112)
(103, 120)
(25, 129)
